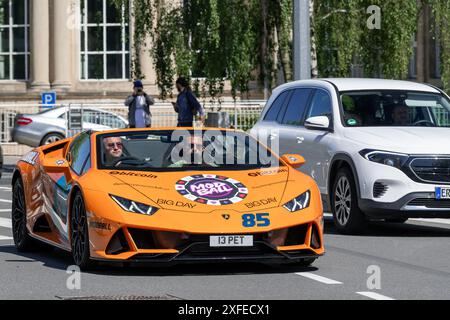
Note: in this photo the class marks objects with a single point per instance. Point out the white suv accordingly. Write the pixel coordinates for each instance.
(378, 149)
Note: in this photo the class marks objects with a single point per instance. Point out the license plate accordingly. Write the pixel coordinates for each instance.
(442, 193)
(231, 241)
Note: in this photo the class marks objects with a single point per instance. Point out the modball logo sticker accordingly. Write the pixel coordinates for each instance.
(212, 189)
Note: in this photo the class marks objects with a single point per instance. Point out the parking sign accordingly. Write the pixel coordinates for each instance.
(48, 99)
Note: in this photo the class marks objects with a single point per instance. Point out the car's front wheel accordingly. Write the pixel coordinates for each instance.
(347, 216)
(79, 233)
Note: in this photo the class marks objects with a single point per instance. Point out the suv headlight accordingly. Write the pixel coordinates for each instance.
(133, 206)
(299, 203)
(392, 159)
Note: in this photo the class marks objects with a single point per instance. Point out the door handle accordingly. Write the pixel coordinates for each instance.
(300, 140)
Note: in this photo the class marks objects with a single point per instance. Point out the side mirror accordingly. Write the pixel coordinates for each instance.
(57, 165)
(318, 123)
(294, 160)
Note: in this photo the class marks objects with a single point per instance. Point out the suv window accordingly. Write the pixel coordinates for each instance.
(320, 105)
(276, 106)
(296, 107)
(80, 152)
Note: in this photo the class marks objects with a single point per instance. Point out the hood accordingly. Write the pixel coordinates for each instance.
(208, 191)
(409, 140)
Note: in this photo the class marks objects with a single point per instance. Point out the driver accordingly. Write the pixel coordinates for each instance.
(113, 150)
(400, 115)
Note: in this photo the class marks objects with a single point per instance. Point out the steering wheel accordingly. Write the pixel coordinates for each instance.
(429, 123)
(124, 159)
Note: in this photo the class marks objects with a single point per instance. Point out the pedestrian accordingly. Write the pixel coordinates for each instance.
(187, 105)
(139, 115)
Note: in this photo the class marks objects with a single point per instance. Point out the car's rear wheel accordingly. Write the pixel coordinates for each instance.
(347, 216)
(79, 234)
(51, 138)
(22, 239)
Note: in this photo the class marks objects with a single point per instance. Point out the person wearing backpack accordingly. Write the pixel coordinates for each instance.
(187, 105)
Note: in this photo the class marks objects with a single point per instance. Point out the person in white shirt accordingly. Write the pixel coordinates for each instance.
(139, 115)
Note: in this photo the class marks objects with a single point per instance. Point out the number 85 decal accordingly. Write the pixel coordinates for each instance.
(255, 220)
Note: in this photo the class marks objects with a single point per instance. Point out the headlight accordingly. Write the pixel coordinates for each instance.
(299, 203)
(392, 159)
(133, 206)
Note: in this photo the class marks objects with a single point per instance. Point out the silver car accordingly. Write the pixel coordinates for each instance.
(50, 125)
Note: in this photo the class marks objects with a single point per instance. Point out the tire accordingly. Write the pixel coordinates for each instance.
(397, 220)
(79, 234)
(347, 216)
(22, 239)
(51, 138)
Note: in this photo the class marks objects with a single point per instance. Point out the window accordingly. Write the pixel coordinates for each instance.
(276, 106)
(105, 48)
(320, 105)
(296, 107)
(14, 29)
(80, 152)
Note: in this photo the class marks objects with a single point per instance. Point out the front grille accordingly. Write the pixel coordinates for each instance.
(430, 203)
(379, 189)
(432, 170)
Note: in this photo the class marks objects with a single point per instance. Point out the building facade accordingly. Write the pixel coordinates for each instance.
(78, 48)
(82, 50)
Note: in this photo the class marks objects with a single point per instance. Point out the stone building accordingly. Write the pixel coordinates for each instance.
(82, 50)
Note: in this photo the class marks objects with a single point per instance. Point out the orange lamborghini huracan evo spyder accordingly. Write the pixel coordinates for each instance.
(167, 195)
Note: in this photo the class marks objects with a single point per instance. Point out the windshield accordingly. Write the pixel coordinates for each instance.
(389, 108)
(182, 150)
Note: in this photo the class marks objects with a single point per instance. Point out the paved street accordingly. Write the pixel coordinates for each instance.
(413, 259)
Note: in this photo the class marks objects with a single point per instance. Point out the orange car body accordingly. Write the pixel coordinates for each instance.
(181, 228)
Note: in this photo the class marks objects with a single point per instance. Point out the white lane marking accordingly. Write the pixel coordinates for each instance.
(5, 238)
(5, 223)
(6, 188)
(440, 221)
(328, 215)
(374, 295)
(318, 278)
(5, 200)
(5, 210)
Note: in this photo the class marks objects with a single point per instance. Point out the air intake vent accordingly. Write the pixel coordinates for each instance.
(118, 244)
(315, 238)
(379, 189)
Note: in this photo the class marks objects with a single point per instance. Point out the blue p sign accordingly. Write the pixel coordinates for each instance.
(48, 99)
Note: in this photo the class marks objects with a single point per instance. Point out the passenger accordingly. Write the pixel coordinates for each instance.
(195, 154)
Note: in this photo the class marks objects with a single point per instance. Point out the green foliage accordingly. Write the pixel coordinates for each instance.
(215, 40)
(441, 12)
(343, 35)
(386, 52)
(336, 23)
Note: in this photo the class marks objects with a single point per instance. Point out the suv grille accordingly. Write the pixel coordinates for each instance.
(432, 170)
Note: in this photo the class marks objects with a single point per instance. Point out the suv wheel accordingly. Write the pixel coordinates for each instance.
(347, 216)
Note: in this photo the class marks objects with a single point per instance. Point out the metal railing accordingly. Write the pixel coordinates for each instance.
(242, 115)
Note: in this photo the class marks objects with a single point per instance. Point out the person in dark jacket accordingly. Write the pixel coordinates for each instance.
(139, 115)
(187, 105)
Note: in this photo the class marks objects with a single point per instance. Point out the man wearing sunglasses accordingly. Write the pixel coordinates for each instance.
(113, 150)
